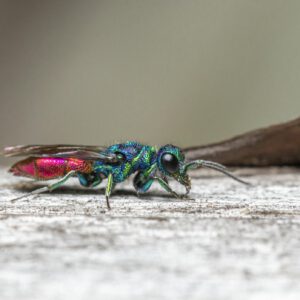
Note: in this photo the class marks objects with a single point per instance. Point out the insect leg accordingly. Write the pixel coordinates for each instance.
(89, 180)
(143, 180)
(48, 188)
(109, 187)
(166, 186)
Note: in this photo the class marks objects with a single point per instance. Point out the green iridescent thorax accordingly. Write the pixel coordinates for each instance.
(135, 157)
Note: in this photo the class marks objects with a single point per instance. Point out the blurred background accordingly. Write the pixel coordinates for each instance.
(185, 72)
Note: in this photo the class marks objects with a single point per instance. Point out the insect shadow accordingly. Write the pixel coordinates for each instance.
(63, 190)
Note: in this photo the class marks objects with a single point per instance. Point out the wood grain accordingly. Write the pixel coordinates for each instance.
(277, 145)
(229, 241)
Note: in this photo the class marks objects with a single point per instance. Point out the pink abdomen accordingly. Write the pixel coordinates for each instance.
(49, 167)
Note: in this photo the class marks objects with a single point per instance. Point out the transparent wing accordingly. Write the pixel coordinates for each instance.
(63, 151)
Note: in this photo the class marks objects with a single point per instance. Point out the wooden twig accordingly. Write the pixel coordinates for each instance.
(277, 145)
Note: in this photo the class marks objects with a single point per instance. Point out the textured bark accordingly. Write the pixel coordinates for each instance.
(276, 145)
(229, 241)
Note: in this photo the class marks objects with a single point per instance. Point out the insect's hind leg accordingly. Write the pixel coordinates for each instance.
(48, 188)
(89, 180)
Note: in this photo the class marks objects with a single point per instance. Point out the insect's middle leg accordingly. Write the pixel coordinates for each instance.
(109, 188)
(48, 188)
(93, 179)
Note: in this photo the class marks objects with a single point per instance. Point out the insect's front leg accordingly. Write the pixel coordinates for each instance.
(143, 181)
(165, 185)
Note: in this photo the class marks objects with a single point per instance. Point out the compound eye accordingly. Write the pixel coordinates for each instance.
(170, 162)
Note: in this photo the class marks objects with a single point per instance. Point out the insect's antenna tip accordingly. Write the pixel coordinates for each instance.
(222, 169)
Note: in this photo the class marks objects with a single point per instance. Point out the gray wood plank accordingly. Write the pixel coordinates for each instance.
(228, 242)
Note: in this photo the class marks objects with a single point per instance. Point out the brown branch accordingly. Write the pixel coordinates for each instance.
(277, 145)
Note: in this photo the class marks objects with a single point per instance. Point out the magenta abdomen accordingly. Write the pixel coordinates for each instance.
(49, 167)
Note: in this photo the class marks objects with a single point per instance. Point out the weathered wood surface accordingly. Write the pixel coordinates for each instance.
(229, 242)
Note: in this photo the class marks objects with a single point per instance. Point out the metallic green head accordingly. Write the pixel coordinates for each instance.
(171, 163)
